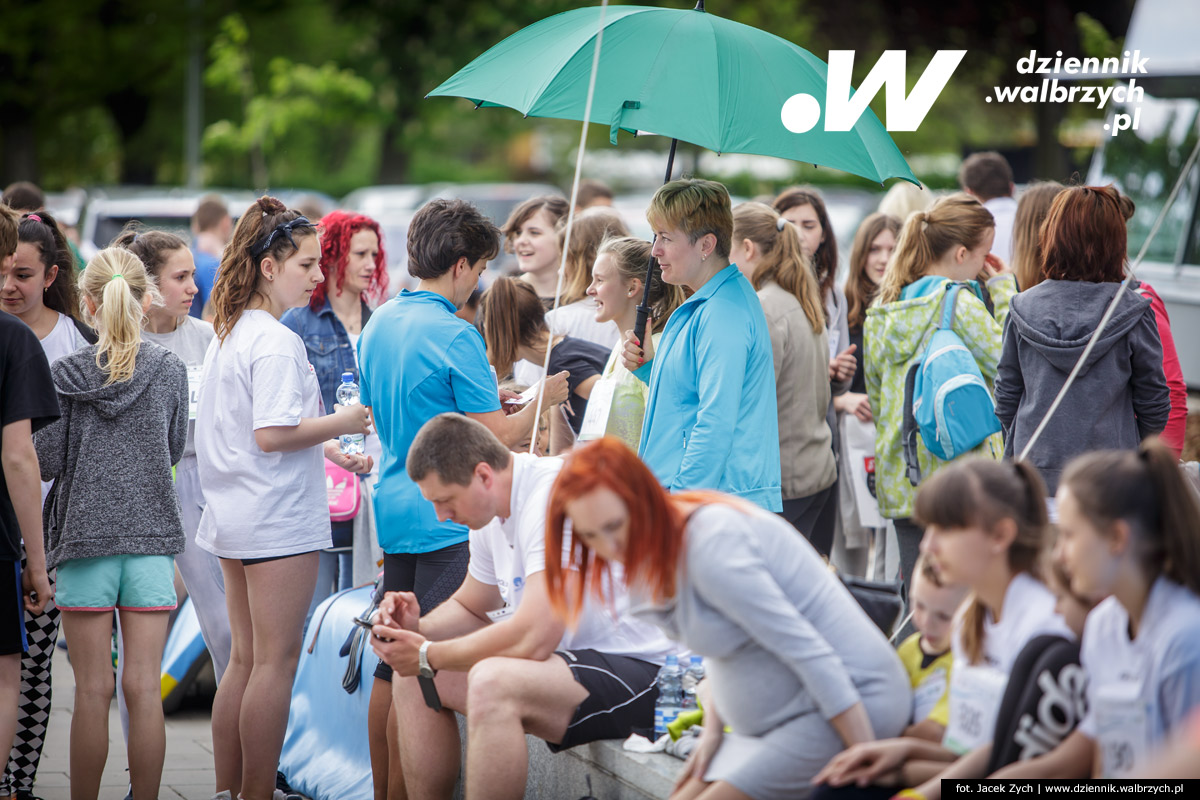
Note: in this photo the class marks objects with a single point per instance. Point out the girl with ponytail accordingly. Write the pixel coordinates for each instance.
(260, 437)
(514, 328)
(170, 325)
(766, 248)
(948, 243)
(113, 522)
(1129, 531)
(986, 528)
(618, 278)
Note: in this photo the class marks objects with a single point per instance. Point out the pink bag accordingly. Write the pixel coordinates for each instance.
(342, 489)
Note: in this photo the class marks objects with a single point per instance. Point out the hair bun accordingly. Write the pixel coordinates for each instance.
(271, 205)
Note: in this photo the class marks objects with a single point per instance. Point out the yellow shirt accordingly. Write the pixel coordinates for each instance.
(930, 684)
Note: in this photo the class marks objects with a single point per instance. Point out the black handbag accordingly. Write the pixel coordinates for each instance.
(884, 602)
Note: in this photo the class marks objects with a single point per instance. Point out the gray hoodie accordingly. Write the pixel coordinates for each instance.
(1120, 395)
(110, 455)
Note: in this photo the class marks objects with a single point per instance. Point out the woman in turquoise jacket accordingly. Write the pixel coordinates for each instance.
(710, 419)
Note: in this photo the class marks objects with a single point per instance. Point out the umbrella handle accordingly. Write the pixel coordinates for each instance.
(644, 309)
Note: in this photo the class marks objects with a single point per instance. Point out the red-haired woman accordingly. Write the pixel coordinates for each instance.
(798, 671)
(355, 270)
(1121, 396)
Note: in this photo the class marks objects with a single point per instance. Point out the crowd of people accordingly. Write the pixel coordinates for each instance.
(562, 500)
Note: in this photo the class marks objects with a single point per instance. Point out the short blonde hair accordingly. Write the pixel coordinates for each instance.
(696, 207)
(117, 282)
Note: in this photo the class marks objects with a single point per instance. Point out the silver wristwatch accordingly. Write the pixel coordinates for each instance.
(423, 661)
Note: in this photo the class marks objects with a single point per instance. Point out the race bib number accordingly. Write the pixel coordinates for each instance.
(975, 695)
(194, 372)
(1122, 728)
(599, 405)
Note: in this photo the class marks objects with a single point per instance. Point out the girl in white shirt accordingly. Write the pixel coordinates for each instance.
(260, 435)
(168, 323)
(985, 528)
(1129, 531)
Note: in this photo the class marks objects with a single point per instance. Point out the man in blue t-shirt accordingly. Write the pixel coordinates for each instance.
(417, 360)
(212, 227)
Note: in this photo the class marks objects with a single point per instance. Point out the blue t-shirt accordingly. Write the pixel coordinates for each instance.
(417, 360)
(206, 276)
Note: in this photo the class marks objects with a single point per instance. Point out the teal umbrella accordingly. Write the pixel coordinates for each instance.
(685, 74)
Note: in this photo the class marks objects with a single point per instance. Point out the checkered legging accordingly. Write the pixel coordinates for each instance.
(42, 633)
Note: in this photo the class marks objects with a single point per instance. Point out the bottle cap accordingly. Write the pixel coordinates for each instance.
(347, 377)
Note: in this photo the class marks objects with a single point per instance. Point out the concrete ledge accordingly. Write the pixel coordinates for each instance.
(616, 773)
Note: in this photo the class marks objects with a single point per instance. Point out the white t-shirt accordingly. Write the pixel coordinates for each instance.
(505, 551)
(1139, 689)
(190, 342)
(62, 340)
(977, 689)
(578, 319)
(258, 504)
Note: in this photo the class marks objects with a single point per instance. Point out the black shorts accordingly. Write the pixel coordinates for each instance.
(12, 610)
(620, 701)
(250, 562)
(432, 577)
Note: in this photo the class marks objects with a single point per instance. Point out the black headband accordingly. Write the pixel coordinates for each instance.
(286, 229)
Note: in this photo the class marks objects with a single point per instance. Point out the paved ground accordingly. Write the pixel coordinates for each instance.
(187, 773)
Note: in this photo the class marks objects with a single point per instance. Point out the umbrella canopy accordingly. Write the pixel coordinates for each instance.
(685, 74)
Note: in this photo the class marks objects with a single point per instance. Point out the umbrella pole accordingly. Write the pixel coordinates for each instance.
(643, 310)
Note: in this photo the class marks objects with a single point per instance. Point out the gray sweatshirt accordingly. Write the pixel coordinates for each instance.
(111, 454)
(780, 635)
(1120, 396)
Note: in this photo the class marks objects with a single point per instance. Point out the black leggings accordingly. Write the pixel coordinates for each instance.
(432, 577)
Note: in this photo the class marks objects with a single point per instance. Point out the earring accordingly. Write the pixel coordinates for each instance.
(704, 257)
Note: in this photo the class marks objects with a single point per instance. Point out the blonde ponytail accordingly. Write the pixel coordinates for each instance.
(954, 221)
(117, 283)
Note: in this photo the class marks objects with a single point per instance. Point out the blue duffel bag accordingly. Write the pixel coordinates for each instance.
(325, 751)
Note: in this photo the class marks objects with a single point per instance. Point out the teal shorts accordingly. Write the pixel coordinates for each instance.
(130, 583)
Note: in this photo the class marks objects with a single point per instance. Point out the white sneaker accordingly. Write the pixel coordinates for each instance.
(225, 795)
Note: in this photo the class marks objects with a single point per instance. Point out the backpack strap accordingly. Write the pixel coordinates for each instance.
(949, 305)
(909, 430)
(89, 335)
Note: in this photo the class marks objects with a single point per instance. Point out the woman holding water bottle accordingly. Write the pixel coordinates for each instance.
(355, 278)
(259, 441)
(798, 670)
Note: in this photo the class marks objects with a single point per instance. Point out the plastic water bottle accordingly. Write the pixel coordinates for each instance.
(347, 395)
(670, 695)
(691, 678)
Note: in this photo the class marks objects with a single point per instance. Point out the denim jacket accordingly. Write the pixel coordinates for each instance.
(328, 346)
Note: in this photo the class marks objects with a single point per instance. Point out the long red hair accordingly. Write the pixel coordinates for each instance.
(337, 228)
(656, 526)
